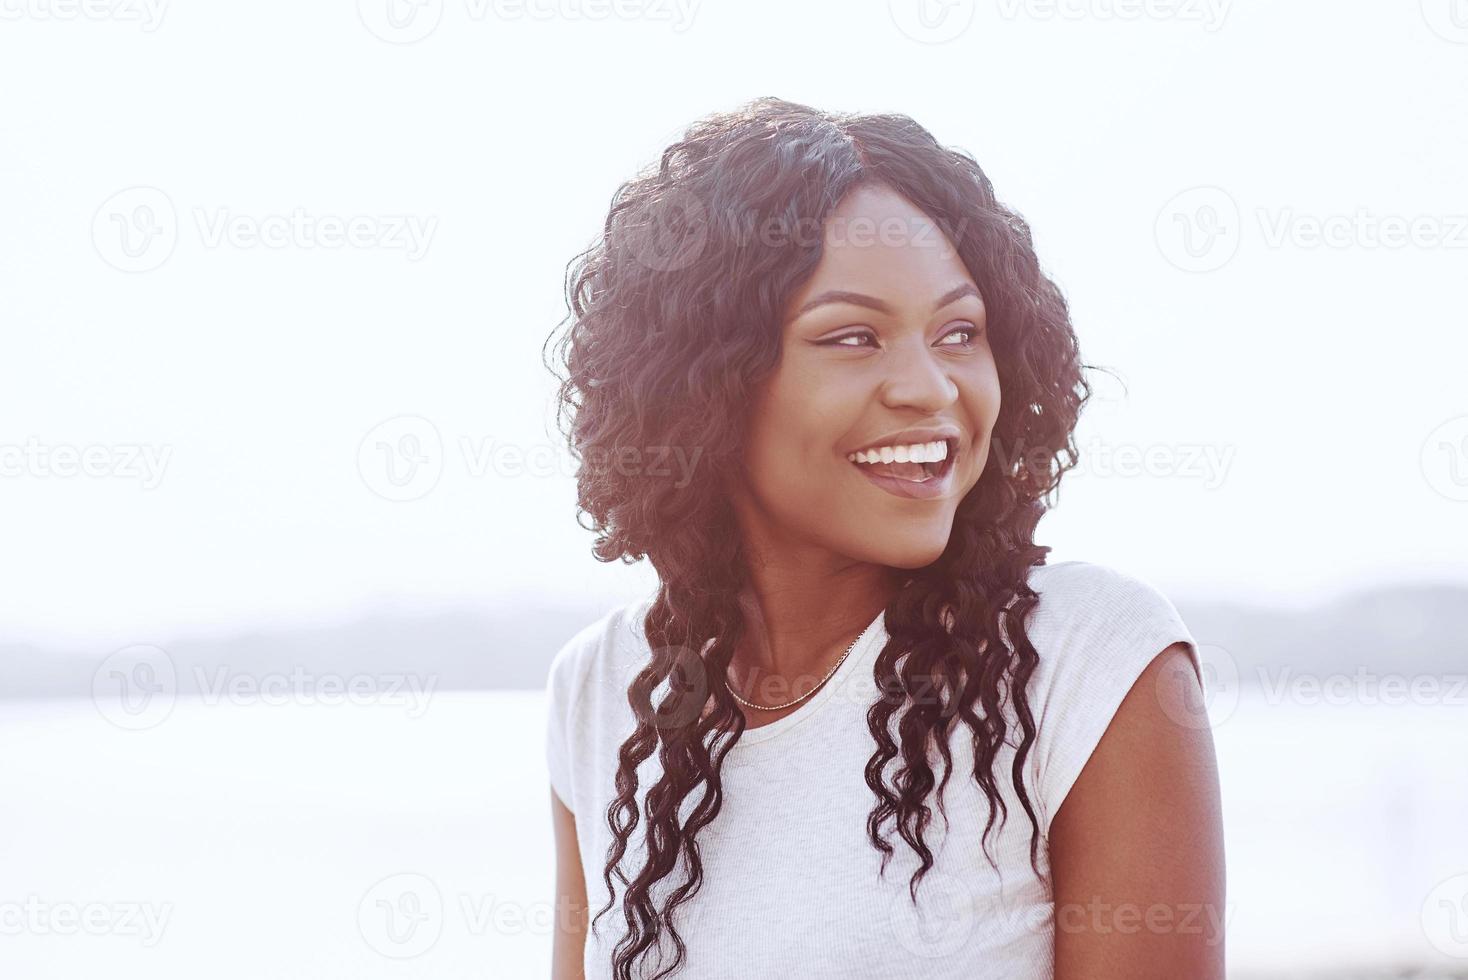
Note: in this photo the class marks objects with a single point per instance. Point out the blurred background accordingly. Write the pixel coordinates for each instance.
(287, 540)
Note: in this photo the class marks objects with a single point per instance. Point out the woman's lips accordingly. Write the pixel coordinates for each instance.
(927, 489)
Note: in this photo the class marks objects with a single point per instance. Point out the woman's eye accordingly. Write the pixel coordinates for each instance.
(847, 340)
(968, 328)
(860, 340)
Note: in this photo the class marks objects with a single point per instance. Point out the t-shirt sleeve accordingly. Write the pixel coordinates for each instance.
(1096, 630)
(560, 688)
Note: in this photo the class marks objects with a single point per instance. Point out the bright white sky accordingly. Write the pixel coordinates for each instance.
(1317, 376)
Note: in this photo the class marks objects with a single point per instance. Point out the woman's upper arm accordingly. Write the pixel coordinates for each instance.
(570, 921)
(1136, 848)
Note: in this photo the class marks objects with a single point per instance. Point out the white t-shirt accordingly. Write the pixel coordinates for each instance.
(791, 884)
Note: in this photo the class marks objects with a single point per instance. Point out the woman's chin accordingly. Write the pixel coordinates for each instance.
(912, 553)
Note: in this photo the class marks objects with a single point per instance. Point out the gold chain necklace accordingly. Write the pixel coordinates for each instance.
(777, 707)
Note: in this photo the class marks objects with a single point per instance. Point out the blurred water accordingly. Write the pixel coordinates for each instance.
(362, 841)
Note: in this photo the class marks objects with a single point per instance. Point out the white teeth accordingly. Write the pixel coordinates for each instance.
(920, 452)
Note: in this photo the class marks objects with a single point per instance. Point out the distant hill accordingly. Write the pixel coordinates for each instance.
(1406, 630)
(1399, 630)
(493, 649)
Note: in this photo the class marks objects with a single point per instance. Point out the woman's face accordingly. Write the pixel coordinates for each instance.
(886, 340)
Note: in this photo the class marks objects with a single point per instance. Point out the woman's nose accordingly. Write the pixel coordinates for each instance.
(918, 379)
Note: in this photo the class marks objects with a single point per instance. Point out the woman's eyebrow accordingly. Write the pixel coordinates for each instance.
(871, 302)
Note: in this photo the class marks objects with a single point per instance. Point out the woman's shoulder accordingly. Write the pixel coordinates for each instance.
(1091, 613)
(1079, 571)
(580, 692)
(1075, 587)
(1095, 630)
(599, 649)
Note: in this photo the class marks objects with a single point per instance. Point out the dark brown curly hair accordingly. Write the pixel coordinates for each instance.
(675, 318)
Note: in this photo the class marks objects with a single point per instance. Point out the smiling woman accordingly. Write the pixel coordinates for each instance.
(884, 350)
(850, 595)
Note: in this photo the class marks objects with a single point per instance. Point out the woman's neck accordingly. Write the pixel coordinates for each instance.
(798, 621)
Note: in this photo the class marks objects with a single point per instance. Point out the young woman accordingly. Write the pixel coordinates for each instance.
(814, 373)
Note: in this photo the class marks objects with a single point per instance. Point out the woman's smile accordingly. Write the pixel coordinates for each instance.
(906, 467)
(929, 486)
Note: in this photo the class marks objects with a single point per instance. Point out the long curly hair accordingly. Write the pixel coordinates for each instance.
(675, 319)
